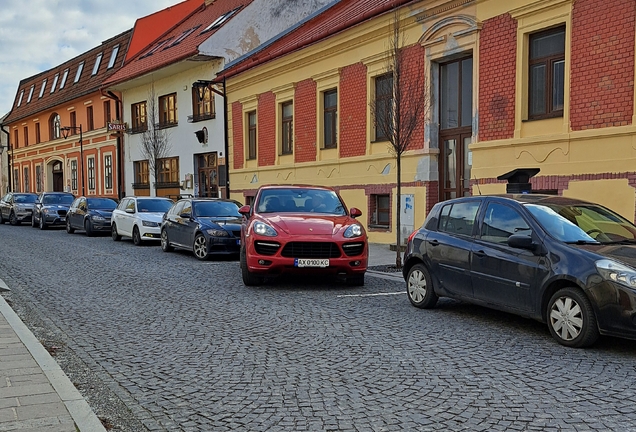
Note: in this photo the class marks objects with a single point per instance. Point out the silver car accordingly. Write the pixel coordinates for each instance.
(17, 207)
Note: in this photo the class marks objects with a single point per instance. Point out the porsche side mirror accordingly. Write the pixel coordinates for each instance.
(245, 210)
(355, 212)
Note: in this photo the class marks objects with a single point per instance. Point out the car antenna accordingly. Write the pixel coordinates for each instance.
(477, 183)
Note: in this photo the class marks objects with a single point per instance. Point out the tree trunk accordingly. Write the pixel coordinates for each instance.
(398, 223)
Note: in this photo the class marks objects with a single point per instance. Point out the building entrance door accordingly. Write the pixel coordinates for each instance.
(208, 175)
(58, 177)
(456, 95)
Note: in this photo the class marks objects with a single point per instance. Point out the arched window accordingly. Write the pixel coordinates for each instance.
(54, 126)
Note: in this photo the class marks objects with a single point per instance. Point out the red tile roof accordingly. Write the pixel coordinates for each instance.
(87, 83)
(149, 28)
(332, 20)
(169, 49)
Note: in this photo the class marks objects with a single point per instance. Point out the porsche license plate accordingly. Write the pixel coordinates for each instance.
(310, 262)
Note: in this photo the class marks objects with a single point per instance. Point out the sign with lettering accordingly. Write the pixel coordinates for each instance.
(116, 127)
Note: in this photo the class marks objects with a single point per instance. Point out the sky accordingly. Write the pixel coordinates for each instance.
(36, 35)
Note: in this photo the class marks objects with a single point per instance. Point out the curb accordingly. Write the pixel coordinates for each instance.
(81, 413)
(388, 276)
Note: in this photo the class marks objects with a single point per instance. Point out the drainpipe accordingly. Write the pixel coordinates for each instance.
(9, 160)
(120, 158)
(227, 145)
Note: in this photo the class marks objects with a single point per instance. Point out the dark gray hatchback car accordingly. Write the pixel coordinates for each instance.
(565, 262)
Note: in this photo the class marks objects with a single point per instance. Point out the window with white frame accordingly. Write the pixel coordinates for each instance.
(108, 171)
(91, 173)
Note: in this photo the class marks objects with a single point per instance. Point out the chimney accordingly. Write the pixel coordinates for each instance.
(519, 180)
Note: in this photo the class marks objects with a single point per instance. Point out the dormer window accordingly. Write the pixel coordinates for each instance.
(57, 76)
(184, 35)
(43, 88)
(156, 48)
(31, 93)
(20, 98)
(98, 60)
(80, 68)
(220, 20)
(64, 76)
(113, 57)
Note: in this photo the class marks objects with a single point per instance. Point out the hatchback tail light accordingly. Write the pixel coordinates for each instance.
(411, 236)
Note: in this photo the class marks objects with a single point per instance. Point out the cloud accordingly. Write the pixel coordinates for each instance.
(36, 35)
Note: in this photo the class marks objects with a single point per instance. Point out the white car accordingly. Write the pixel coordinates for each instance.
(139, 218)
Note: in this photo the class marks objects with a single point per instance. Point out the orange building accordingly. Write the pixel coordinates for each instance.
(58, 126)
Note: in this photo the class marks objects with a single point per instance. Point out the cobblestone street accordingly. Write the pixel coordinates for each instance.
(185, 346)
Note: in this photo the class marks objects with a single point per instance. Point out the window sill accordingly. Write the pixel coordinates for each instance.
(544, 117)
(141, 186)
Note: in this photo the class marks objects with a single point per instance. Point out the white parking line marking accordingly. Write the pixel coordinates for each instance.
(372, 295)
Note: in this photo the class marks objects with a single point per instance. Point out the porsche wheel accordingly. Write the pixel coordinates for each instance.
(355, 280)
(249, 278)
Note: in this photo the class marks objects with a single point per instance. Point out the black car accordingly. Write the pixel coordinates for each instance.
(205, 226)
(91, 214)
(17, 207)
(51, 208)
(565, 262)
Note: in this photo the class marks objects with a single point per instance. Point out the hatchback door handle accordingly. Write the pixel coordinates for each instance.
(480, 253)
(433, 242)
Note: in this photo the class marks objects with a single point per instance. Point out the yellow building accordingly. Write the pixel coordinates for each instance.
(517, 84)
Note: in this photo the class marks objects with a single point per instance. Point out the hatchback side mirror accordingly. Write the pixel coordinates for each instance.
(129, 210)
(185, 215)
(521, 242)
(355, 212)
(245, 210)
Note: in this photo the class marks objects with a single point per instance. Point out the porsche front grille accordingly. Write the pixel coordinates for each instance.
(266, 248)
(353, 249)
(311, 250)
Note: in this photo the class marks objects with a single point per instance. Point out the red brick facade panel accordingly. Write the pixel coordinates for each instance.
(602, 76)
(497, 63)
(414, 100)
(237, 134)
(305, 121)
(266, 129)
(353, 111)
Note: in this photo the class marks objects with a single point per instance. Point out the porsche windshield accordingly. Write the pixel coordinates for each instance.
(583, 222)
(296, 200)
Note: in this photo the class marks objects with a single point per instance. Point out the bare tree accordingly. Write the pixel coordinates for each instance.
(402, 110)
(155, 143)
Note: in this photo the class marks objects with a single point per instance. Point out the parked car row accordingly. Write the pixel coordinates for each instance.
(289, 229)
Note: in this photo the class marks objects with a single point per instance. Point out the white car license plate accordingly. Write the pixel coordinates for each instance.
(309, 262)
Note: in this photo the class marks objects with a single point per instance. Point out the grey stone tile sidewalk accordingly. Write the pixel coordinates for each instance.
(35, 394)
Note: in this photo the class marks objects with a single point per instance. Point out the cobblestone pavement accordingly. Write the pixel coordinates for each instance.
(185, 346)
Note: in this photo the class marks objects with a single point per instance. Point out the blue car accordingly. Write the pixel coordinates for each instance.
(206, 226)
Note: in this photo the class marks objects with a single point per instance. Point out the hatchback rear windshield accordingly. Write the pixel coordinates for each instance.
(583, 223)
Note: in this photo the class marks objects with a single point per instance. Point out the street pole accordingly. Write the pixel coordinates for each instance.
(82, 156)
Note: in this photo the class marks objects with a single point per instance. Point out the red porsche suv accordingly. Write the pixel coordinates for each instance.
(301, 229)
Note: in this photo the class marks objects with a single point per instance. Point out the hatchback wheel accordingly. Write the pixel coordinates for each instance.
(13, 220)
(88, 227)
(200, 247)
(165, 242)
(33, 221)
(69, 228)
(136, 237)
(571, 318)
(419, 287)
(114, 234)
(2, 221)
(42, 224)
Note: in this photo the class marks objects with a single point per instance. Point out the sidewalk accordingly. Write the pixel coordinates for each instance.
(35, 394)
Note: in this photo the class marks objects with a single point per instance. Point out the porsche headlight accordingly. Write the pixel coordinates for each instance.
(353, 231)
(217, 233)
(263, 229)
(616, 272)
